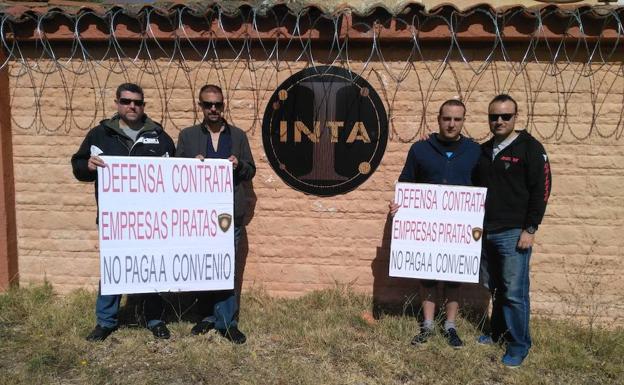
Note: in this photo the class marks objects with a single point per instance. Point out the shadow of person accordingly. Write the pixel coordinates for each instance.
(400, 296)
(391, 295)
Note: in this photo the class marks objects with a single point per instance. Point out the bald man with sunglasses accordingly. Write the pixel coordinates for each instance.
(514, 167)
(130, 132)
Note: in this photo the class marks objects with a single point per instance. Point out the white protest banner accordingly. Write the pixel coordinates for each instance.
(165, 224)
(436, 234)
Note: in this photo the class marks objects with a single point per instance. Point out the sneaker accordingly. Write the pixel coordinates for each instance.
(422, 337)
(485, 340)
(512, 362)
(100, 333)
(453, 339)
(233, 335)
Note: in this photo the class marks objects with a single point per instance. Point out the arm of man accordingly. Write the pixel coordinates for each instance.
(180, 148)
(410, 174)
(244, 165)
(84, 166)
(170, 147)
(411, 169)
(539, 184)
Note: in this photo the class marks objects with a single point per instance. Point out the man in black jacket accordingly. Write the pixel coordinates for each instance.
(514, 167)
(128, 133)
(215, 138)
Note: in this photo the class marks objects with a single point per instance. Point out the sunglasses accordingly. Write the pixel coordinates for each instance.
(209, 105)
(505, 117)
(127, 102)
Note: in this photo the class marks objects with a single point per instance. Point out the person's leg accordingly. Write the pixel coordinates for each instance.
(208, 322)
(153, 308)
(516, 308)
(514, 293)
(493, 261)
(224, 310)
(106, 312)
(154, 311)
(226, 302)
(427, 293)
(451, 293)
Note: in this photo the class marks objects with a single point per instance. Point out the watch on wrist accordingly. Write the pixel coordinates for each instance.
(531, 229)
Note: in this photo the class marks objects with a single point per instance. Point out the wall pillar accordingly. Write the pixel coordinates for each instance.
(8, 229)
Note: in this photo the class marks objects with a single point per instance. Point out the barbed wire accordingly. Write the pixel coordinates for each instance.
(538, 68)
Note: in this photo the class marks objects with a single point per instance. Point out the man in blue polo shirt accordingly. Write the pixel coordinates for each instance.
(446, 157)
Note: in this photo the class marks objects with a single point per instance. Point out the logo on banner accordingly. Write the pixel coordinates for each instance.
(477, 232)
(225, 220)
(325, 130)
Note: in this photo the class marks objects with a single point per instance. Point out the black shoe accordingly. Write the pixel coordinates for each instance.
(233, 334)
(160, 331)
(453, 339)
(423, 336)
(202, 327)
(100, 333)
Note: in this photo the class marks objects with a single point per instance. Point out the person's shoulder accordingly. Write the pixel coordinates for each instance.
(532, 142)
(471, 143)
(420, 143)
(237, 134)
(487, 143)
(190, 129)
(236, 130)
(99, 129)
(166, 135)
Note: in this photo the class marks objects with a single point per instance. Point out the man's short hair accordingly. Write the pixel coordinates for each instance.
(211, 88)
(452, 102)
(505, 98)
(130, 87)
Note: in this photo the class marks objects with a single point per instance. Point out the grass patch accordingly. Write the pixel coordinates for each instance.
(320, 338)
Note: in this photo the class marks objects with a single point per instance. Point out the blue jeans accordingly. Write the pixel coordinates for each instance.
(226, 301)
(107, 309)
(507, 269)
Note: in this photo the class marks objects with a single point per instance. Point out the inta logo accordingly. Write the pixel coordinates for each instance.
(325, 130)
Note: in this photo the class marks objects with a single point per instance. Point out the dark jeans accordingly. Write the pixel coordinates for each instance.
(107, 309)
(225, 301)
(507, 275)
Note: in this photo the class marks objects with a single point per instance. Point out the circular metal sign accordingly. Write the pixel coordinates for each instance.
(325, 130)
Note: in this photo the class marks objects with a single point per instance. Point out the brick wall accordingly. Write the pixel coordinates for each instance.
(298, 243)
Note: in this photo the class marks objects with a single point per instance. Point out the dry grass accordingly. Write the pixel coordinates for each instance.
(321, 338)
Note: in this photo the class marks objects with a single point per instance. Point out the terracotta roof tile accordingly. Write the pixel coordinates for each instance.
(473, 21)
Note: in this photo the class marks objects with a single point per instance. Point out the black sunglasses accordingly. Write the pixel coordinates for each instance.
(126, 102)
(505, 117)
(209, 105)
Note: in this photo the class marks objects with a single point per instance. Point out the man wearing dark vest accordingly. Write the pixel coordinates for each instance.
(215, 138)
(514, 167)
(446, 157)
(128, 133)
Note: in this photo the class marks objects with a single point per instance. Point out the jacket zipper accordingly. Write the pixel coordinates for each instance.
(133, 144)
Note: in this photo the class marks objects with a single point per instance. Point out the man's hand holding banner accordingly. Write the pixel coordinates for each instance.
(436, 234)
(165, 224)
